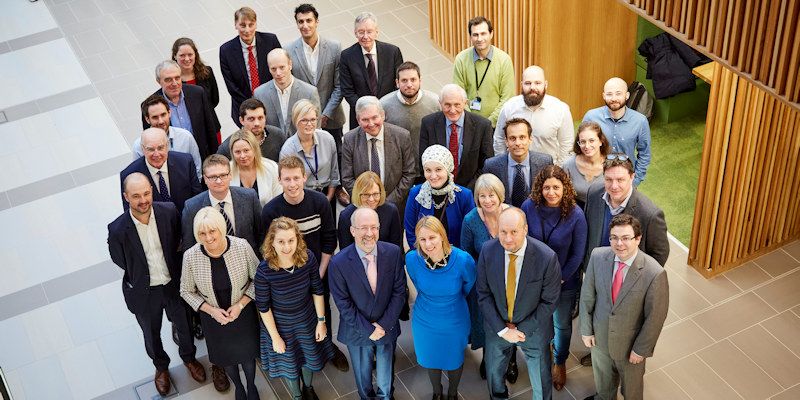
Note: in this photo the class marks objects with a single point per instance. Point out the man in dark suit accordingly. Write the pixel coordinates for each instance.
(144, 243)
(368, 285)
(252, 115)
(189, 107)
(243, 59)
(358, 73)
(173, 175)
(517, 302)
(624, 303)
(467, 135)
(517, 168)
(381, 148)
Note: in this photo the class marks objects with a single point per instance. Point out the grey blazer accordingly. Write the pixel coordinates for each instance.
(498, 165)
(268, 95)
(654, 228)
(400, 166)
(326, 80)
(246, 215)
(634, 322)
(196, 286)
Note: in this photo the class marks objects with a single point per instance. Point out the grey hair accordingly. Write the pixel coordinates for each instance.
(452, 87)
(359, 211)
(366, 101)
(365, 15)
(164, 65)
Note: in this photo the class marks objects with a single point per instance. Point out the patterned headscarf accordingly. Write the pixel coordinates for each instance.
(441, 155)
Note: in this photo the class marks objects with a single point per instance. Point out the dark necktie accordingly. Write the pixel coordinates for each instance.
(372, 76)
(253, 69)
(519, 190)
(162, 187)
(228, 224)
(453, 146)
(374, 162)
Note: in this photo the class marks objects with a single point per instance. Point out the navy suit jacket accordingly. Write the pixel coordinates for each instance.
(127, 252)
(353, 74)
(234, 69)
(477, 143)
(246, 215)
(537, 292)
(498, 165)
(183, 183)
(358, 307)
(201, 113)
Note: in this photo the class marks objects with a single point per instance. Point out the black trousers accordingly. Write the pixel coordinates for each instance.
(165, 298)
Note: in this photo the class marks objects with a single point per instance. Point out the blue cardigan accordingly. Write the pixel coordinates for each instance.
(456, 211)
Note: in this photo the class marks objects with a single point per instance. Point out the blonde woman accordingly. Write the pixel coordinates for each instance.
(368, 191)
(249, 169)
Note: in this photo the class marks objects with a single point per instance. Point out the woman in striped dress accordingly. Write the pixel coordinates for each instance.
(294, 340)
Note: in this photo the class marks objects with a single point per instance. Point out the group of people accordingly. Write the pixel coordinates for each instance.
(502, 206)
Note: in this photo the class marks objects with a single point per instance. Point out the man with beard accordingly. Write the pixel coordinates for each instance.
(626, 129)
(155, 111)
(406, 106)
(550, 117)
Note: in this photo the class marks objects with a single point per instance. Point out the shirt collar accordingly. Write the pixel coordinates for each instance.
(525, 163)
(459, 122)
(607, 114)
(374, 50)
(180, 100)
(227, 199)
(629, 261)
(362, 253)
(299, 146)
(403, 98)
(153, 169)
(136, 222)
(245, 45)
(380, 134)
(288, 88)
(615, 211)
(489, 55)
(521, 251)
(308, 48)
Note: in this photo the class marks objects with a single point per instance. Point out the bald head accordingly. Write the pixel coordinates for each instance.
(534, 72)
(155, 146)
(615, 95)
(280, 66)
(512, 228)
(134, 181)
(138, 192)
(533, 86)
(615, 84)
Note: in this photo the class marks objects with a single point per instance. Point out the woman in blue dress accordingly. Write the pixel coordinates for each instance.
(438, 196)
(440, 324)
(294, 339)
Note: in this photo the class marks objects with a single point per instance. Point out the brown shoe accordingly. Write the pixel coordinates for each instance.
(221, 382)
(559, 376)
(196, 370)
(162, 382)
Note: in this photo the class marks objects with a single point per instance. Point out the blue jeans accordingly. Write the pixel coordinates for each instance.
(562, 322)
(361, 359)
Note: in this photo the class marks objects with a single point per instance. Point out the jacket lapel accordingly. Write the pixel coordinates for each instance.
(498, 283)
(604, 273)
(504, 174)
(321, 57)
(359, 270)
(633, 275)
(441, 129)
(299, 61)
(132, 237)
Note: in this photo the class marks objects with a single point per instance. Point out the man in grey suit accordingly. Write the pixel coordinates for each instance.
(517, 302)
(381, 148)
(280, 94)
(624, 302)
(517, 167)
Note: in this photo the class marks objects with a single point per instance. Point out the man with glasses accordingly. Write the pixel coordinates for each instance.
(624, 302)
(626, 129)
(367, 68)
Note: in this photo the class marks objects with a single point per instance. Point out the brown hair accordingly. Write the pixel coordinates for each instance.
(406, 66)
(595, 127)
(568, 197)
(432, 223)
(216, 159)
(363, 183)
(246, 13)
(477, 21)
(152, 100)
(616, 162)
(626, 219)
(515, 121)
(300, 256)
(290, 162)
(199, 69)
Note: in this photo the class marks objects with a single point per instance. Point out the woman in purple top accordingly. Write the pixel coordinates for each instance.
(555, 219)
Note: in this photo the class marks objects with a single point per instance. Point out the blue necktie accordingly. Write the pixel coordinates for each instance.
(162, 187)
(519, 191)
(228, 224)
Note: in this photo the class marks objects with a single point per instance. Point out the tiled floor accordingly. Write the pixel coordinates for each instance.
(73, 74)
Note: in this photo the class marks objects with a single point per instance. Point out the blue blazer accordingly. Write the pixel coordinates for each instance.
(183, 183)
(358, 307)
(234, 70)
(464, 203)
(246, 215)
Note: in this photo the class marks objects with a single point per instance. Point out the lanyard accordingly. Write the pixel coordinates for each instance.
(316, 164)
(546, 237)
(484, 74)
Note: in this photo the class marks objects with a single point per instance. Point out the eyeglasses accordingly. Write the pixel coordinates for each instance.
(365, 229)
(367, 33)
(220, 177)
(617, 156)
(309, 121)
(371, 195)
(620, 239)
(585, 142)
(162, 147)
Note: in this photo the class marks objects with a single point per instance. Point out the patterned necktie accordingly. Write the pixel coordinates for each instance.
(616, 284)
(228, 224)
(372, 271)
(372, 76)
(162, 187)
(519, 190)
(374, 162)
(253, 68)
(511, 285)
(453, 146)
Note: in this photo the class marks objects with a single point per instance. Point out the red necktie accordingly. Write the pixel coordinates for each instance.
(253, 67)
(616, 284)
(454, 146)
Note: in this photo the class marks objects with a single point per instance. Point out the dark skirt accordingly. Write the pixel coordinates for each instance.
(234, 343)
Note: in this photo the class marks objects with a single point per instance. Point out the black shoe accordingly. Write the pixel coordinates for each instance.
(575, 311)
(339, 361)
(309, 393)
(586, 360)
(197, 331)
(175, 334)
(590, 397)
(512, 373)
(437, 397)
(482, 370)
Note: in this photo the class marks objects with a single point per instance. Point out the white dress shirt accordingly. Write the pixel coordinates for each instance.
(246, 56)
(379, 147)
(283, 99)
(154, 174)
(312, 57)
(151, 243)
(228, 208)
(553, 129)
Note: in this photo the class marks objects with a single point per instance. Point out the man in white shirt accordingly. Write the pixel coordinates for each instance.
(155, 111)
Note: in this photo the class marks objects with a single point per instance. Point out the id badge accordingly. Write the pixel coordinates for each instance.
(475, 105)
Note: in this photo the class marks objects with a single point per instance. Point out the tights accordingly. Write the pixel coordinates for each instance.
(294, 384)
(454, 376)
(249, 369)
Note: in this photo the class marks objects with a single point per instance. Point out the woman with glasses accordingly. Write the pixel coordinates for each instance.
(585, 168)
(556, 220)
(368, 191)
(250, 170)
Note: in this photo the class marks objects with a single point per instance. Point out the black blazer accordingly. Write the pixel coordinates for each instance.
(477, 145)
(246, 215)
(127, 252)
(498, 165)
(353, 74)
(183, 183)
(204, 123)
(234, 69)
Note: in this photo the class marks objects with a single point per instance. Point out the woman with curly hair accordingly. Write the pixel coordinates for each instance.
(555, 219)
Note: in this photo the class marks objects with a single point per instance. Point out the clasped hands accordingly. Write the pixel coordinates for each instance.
(590, 342)
(225, 316)
(378, 333)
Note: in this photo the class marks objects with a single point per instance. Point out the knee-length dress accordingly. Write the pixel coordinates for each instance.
(289, 296)
(440, 322)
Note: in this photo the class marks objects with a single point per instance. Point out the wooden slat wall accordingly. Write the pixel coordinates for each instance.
(748, 196)
(757, 39)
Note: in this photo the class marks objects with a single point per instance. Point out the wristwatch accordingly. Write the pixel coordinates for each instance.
(321, 319)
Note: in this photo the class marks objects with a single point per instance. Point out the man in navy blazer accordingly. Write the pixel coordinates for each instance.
(354, 77)
(531, 272)
(368, 285)
(518, 140)
(151, 274)
(176, 170)
(234, 59)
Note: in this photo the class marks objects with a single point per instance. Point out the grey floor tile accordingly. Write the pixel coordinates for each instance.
(733, 316)
(85, 371)
(120, 62)
(16, 348)
(85, 9)
(793, 249)
(103, 169)
(580, 383)
(747, 276)
(95, 68)
(714, 290)
(793, 393)
(144, 27)
(769, 354)
(782, 294)
(741, 373)
(43, 188)
(777, 262)
(678, 341)
(659, 386)
(92, 42)
(785, 327)
(472, 387)
(63, 14)
(683, 299)
(80, 281)
(693, 376)
(44, 379)
(4, 202)
(112, 6)
(22, 301)
(63, 99)
(36, 38)
(20, 111)
(417, 382)
(4, 47)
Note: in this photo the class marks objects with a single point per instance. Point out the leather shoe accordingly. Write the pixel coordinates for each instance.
(175, 335)
(482, 370)
(196, 370)
(437, 397)
(339, 361)
(586, 360)
(309, 393)
(512, 373)
(559, 376)
(220, 379)
(162, 382)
